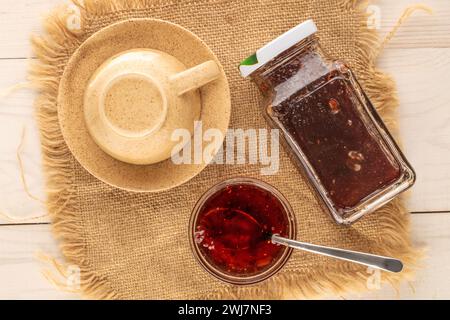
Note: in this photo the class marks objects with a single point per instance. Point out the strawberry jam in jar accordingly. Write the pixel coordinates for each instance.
(231, 229)
(328, 124)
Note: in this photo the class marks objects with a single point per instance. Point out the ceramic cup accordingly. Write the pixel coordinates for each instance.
(137, 99)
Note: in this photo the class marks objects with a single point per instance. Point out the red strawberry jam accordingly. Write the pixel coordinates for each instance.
(234, 227)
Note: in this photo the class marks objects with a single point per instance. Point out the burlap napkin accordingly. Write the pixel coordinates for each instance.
(135, 245)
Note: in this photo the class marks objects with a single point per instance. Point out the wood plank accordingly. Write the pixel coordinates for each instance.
(421, 29)
(412, 69)
(430, 231)
(20, 275)
(21, 18)
(20, 271)
(18, 20)
(422, 77)
(16, 113)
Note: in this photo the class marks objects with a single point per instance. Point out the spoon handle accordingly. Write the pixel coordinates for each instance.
(379, 262)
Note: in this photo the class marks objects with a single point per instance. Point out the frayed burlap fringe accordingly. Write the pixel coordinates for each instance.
(52, 52)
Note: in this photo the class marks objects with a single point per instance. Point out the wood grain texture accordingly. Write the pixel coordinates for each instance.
(18, 20)
(20, 272)
(16, 113)
(431, 232)
(421, 30)
(423, 78)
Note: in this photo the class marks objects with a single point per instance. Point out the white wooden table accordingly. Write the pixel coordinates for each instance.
(419, 59)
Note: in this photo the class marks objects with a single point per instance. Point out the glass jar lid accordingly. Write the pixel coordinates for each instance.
(276, 47)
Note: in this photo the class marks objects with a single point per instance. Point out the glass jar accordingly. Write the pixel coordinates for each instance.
(328, 124)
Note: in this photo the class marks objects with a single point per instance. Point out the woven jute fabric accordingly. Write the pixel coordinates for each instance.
(135, 246)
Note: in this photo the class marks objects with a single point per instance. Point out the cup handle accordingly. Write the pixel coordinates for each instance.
(195, 77)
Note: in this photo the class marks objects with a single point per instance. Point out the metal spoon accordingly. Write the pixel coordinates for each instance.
(370, 260)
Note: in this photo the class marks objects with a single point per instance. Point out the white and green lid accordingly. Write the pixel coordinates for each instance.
(276, 47)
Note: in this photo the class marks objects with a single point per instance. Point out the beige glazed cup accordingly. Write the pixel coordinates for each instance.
(137, 99)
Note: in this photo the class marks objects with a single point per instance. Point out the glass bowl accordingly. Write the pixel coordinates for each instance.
(230, 229)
